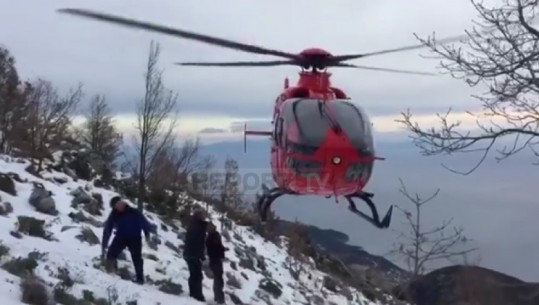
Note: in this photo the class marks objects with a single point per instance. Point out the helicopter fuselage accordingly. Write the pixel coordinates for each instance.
(322, 144)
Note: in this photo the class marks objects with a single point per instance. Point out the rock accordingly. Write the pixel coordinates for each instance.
(151, 256)
(47, 206)
(167, 286)
(271, 286)
(247, 263)
(88, 235)
(235, 299)
(5, 208)
(99, 198)
(32, 170)
(15, 234)
(316, 300)
(32, 226)
(42, 201)
(232, 281)
(99, 183)
(80, 217)
(59, 180)
(68, 171)
(154, 243)
(91, 204)
(80, 196)
(16, 177)
(65, 228)
(164, 227)
(330, 283)
(172, 247)
(261, 263)
(7, 185)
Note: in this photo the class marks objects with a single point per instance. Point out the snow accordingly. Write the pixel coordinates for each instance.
(77, 257)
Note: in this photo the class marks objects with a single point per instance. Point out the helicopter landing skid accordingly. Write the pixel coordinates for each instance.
(266, 199)
(374, 219)
(269, 195)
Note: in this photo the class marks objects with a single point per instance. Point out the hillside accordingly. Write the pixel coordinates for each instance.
(336, 243)
(476, 285)
(57, 238)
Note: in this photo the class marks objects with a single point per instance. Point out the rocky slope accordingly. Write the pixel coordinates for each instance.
(52, 223)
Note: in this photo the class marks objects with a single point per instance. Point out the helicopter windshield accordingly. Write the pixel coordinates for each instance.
(313, 121)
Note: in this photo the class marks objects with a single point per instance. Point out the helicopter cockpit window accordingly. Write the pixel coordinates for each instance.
(356, 124)
(312, 125)
(312, 120)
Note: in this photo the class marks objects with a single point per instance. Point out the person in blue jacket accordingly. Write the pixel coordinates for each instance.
(129, 224)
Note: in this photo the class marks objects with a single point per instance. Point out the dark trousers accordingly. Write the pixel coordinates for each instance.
(134, 245)
(195, 278)
(216, 267)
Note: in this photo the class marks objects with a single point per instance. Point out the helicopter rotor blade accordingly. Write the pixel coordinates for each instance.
(175, 32)
(240, 63)
(384, 69)
(341, 58)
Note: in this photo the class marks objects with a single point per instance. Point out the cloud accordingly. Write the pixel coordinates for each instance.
(111, 60)
(231, 129)
(212, 130)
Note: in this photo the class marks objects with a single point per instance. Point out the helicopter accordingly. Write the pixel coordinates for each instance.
(322, 143)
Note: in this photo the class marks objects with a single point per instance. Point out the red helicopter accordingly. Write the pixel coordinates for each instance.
(322, 144)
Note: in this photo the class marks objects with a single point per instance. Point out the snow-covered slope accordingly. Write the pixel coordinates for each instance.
(255, 272)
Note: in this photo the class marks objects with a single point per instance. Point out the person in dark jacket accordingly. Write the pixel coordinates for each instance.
(216, 254)
(129, 223)
(193, 252)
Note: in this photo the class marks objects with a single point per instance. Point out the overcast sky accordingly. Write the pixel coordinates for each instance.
(110, 59)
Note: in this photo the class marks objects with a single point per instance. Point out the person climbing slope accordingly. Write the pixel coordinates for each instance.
(216, 254)
(129, 223)
(193, 252)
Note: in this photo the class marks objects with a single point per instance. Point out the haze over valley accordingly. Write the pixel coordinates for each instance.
(496, 204)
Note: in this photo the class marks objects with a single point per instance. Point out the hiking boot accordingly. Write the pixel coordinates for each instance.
(138, 281)
(111, 266)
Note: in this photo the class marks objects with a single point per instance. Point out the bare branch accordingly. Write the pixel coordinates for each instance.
(501, 53)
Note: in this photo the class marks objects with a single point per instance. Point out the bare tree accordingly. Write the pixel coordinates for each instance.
(175, 164)
(231, 194)
(100, 134)
(157, 119)
(12, 100)
(420, 246)
(205, 184)
(49, 117)
(298, 248)
(501, 53)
